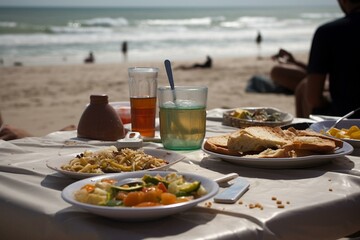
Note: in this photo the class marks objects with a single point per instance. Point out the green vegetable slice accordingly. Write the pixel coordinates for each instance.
(154, 180)
(189, 187)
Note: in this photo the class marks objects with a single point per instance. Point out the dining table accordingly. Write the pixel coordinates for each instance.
(319, 201)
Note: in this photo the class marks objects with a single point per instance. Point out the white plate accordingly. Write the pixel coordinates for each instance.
(297, 162)
(56, 163)
(138, 214)
(346, 123)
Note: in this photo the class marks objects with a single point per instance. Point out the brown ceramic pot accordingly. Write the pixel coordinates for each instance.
(99, 121)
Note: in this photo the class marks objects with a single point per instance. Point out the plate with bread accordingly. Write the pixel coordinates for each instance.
(256, 116)
(273, 147)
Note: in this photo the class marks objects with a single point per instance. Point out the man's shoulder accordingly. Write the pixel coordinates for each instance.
(333, 27)
(334, 23)
(350, 20)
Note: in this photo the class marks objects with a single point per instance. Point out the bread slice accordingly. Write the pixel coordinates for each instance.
(218, 144)
(337, 142)
(312, 143)
(257, 138)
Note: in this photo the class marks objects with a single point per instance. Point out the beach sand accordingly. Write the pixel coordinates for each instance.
(43, 99)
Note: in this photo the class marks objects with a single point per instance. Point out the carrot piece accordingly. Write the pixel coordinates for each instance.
(133, 199)
(168, 198)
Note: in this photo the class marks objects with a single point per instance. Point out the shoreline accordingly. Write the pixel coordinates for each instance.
(43, 99)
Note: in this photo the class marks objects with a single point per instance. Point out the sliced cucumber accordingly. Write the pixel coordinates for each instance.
(189, 187)
(184, 189)
(154, 180)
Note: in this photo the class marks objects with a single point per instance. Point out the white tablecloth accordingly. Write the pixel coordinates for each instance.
(321, 202)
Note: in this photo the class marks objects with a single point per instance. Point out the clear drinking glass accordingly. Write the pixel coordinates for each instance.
(142, 86)
(182, 116)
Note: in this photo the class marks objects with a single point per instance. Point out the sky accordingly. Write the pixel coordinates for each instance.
(158, 3)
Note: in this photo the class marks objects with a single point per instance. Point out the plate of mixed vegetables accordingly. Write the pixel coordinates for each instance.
(256, 116)
(154, 195)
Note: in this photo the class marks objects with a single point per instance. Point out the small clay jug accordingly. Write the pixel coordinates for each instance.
(99, 121)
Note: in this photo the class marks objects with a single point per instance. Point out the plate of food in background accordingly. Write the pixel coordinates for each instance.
(256, 116)
(111, 160)
(347, 130)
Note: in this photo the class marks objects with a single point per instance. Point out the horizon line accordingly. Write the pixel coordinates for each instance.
(162, 6)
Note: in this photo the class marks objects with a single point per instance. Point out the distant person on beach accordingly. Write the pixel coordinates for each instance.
(90, 58)
(206, 64)
(258, 41)
(334, 55)
(124, 49)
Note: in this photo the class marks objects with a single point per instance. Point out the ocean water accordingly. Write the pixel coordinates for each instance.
(43, 36)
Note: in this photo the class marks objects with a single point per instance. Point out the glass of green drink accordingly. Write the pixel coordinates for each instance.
(182, 116)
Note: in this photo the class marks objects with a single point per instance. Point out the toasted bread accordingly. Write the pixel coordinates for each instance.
(312, 143)
(337, 142)
(218, 144)
(257, 138)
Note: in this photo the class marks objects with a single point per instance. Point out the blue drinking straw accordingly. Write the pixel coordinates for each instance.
(170, 77)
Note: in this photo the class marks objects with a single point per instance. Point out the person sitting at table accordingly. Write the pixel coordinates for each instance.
(206, 64)
(284, 76)
(334, 55)
(289, 72)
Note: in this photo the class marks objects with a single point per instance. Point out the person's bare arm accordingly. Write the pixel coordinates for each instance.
(284, 56)
(10, 133)
(315, 91)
